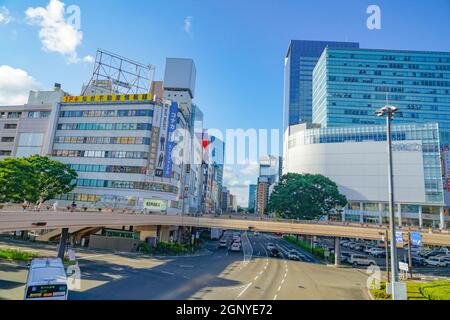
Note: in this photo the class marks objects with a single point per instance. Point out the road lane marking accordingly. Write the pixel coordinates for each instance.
(167, 272)
(245, 289)
(275, 298)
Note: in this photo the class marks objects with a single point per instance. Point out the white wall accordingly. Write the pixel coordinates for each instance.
(360, 169)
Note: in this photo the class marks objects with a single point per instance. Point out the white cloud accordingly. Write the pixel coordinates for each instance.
(15, 85)
(188, 25)
(251, 170)
(89, 59)
(238, 183)
(5, 16)
(55, 33)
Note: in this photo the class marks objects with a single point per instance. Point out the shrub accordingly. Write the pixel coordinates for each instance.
(436, 290)
(14, 254)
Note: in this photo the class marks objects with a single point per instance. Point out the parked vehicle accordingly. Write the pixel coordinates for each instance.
(437, 262)
(368, 249)
(293, 255)
(235, 246)
(377, 253)
(223, 243)
(418, 261)
(360, 260)
(270, 246)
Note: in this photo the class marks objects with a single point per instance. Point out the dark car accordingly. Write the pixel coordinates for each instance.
(274, 252)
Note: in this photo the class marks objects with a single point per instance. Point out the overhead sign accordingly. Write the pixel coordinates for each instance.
(416, 239)
(398, 237)
(155, 205)
(108, 98)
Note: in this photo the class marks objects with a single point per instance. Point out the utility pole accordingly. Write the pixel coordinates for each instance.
(409, 255)
(386, 243)
(388, 112)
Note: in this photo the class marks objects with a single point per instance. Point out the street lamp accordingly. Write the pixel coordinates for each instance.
(388, 112)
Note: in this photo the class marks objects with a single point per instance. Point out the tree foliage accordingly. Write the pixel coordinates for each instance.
(34, 179)
(305, 196)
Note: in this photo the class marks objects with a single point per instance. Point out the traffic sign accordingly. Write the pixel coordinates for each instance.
(398, 237)
(403, 266)
(416, 239)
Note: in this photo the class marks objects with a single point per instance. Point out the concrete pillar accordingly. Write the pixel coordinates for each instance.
(441, 216)
(361, 215)
(343, 215)
(62, 243)
(399, 211)
(420, 217)
(337, 251)
(380, 213)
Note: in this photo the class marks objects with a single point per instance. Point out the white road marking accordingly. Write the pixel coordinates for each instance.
(245, 289)
(275, 298)
(279, 288)
(167, 272)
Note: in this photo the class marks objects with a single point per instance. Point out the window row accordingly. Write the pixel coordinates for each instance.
(106, 113)
(104, 126)
(104, 140)
(151, 186)
(100, 154)
(104, 168)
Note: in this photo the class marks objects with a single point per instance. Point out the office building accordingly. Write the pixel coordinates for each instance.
(252, 197)
(300, 60)
(262, 195)
(24, 128)
(350, 84)
(355, 158)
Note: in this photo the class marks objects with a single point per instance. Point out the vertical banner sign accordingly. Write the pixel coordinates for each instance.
(416, 239)
(446, 168)
(398, 237)
(162, 142)
(173, 114)
(154, 138)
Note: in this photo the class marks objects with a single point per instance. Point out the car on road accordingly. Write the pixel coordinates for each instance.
(437, 262)
(270, 246)
(235, 246)
(223, 243)
(293, 255)
(279, 234)
(360, 260)
(47, 280)
(367, 250)
(274, 252)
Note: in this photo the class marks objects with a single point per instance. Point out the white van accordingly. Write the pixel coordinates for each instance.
(47, 280)
(360, 260)
(437, 261)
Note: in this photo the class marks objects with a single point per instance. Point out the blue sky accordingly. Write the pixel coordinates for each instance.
(238, 46)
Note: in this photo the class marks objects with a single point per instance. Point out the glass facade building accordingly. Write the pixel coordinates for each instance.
(350, 84)
(301, 58)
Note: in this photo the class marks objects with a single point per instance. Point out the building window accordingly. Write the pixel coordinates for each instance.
(10, 126)
(29, 144)
(7, 139)
(5, 153)
(33, 114)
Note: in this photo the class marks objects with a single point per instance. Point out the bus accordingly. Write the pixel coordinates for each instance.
(47, 280)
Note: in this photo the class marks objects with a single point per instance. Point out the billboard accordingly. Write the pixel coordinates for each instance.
(155, 205)
(161, 141)
(107, 98)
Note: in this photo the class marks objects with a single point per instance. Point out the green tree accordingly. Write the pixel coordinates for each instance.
(305, 196)
(35, 179)
(14, 174)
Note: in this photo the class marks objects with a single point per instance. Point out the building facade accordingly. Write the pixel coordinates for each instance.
(355, 158)
(252, 197)
(350, 84)
(300, 60)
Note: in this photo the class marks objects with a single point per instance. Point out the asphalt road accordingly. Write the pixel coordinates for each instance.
(220, 274)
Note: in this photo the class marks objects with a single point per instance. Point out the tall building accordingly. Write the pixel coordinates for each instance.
(262, 195)
(120, 146)
(252, 196)
(350, 84)
(301, 58)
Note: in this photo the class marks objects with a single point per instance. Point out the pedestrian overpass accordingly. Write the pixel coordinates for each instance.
(30, 220)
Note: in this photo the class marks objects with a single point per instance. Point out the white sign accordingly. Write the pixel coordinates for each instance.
(155, 205)
(71, 254)
(403, 266)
